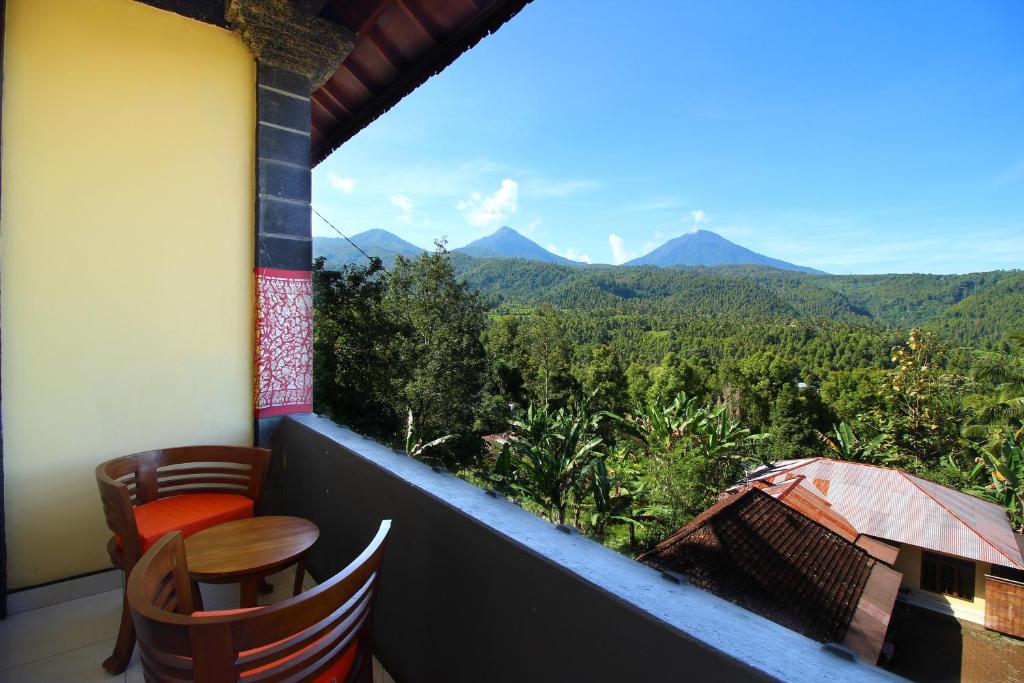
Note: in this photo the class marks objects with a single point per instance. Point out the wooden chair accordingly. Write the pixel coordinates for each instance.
(321, 635)
(186, 489)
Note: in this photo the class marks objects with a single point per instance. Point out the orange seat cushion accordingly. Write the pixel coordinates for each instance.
(188, 513)
(336, 673)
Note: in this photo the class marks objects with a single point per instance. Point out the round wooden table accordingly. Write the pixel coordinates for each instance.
(246, 550)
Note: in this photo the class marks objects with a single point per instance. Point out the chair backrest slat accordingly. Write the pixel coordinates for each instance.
(297, 638)
(140, 478)
(354, 609)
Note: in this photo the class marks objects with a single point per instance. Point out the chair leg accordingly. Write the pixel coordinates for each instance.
(300, 574)
(365, 674)
(118, 661)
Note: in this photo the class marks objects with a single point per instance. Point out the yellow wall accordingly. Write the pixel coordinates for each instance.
(909, 562)
(126, 253)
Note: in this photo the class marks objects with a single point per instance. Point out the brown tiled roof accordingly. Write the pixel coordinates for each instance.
(765, 556)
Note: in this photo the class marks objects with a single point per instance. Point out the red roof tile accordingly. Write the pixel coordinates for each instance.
(765, 556)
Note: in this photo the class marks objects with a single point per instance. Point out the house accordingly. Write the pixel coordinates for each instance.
(756, 551)
(954, 550)
(155, 284)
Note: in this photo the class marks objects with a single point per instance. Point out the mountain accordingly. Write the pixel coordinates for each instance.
(380, 243)
(507, 243)
(705, 248)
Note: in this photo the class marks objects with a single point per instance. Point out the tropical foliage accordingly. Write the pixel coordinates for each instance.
(628, 399)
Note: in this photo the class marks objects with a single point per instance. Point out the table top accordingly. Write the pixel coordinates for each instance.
(248, 546)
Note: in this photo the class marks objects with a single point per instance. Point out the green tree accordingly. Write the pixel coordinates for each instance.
(676, 374)
(1002, 409)
(436, 350)
(353, 378)
(922, 404)
(604, 380)
(549, 357)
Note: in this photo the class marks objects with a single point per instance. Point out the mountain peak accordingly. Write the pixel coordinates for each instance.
(706, 248)
(375, 242)
(508, 243)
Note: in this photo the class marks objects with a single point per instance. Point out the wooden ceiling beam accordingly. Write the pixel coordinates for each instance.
(328, 90)
(386, 49)
(418, 17)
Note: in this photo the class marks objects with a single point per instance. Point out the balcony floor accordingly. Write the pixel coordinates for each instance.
(69, 640)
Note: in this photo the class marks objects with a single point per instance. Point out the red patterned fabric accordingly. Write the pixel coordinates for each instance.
(188, 513)
(284, 349)
(336, 673)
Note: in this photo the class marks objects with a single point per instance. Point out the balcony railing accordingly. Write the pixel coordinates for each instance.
(475, 588)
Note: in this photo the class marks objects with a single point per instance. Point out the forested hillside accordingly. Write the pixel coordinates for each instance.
(973, 309)
(629, 397)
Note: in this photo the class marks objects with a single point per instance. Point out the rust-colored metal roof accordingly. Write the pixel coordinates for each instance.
(870, 622)
(880, 550)
(890, 504)
(756, 551)
(399, 45)
(812, 506)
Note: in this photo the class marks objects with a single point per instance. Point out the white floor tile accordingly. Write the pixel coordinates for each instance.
(63, 591)
(82, 665)
(57, 629)
(69, 641)
(134, 674)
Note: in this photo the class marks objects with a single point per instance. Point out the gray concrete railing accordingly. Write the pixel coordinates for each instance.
(476, 589)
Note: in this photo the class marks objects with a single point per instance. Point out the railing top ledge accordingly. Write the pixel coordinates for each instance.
(760, 644)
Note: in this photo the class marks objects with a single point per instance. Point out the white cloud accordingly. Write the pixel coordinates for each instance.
(619, 252)
(570, 253)
(405, 205)
(532, 227)
(486, 211)
(699, 217)
(342, 183)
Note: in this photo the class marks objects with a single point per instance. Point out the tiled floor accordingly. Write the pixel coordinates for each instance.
(68, 641)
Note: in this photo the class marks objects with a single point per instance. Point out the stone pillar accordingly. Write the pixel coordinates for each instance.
(284, 249)
(296, 51)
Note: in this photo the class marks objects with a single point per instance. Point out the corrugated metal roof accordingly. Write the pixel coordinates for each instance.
(893, 505)
(812, 506)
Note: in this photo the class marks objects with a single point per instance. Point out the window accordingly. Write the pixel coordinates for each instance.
(947, 575)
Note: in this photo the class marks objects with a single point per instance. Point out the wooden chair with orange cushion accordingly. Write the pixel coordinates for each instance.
(321, 635)
(185, 489)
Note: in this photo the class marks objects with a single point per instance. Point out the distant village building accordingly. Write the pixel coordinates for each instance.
(953, 548)
(754, 550)
(826, 547)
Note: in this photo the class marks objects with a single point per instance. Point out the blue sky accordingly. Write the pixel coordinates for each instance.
(854, 137)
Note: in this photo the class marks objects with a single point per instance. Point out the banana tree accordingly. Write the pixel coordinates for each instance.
(621, 493)
(1005, 467)
(846, 445)
(553, 453)
(414, 445)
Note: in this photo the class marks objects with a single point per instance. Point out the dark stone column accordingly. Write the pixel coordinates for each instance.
(284, 249)
(283, 258)
(295, 51)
